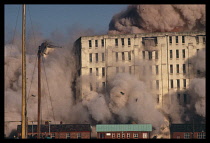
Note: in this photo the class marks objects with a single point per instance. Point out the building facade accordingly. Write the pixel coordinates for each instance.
(59, 131)
(162, 55)
(188, 131)
(123, 131)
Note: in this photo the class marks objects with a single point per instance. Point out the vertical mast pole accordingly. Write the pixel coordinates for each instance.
(24, 113)
(39, 92)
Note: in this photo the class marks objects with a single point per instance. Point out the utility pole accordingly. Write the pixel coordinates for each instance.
(39, 91)
(41, 51)
(24, 112)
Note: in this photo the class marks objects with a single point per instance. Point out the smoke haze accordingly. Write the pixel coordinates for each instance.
(128, 99)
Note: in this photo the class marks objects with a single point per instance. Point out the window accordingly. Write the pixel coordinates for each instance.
(150, 55)
(177, 54)
(129, 69)
(123, 135)
(68, 135)
(183, 53)
(129, 56)
(118, 135)
(129, 41)
(171, 68)
(171, 54)
(102, 57)
(102, 42)
(184, 68)
(158, 99)
(96, 43)
(91, 70)
(204, 39)
(201, 135)
(178, 83)
(178, 97)
(197, 39)
(96, 71)
(91, 87)
(197, 50)
(143, 54)
(116, 55)
(144, 135)
(108, 134)
(156, 67)
(97, 84)
(150, 69)
(183, 39)
(79, 135)
(144, 70)
(170, 39)
(186, 135)
(101, 135)
(128, 135)
(123, 69)
(116, 42)
(172, 83)
(123, 56)
(117, 69)
(122, 40)
(198, 72)
(177, 68)
(96, 57)
(177, 40)
(113, 135)
(156, 54)
(90, 58)
(104, 85)
(184, 83)
(103, 71)
(90, 44)
(157, 84)
(185, 98)
(135, 135)
(151, 84)
(53, 135)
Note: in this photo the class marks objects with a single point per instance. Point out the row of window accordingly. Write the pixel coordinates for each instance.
(184, 98)
(183, 39)
(123, 56)
(149, 54)
(96, 43)
(122, 40)
(199, 135)
(178, 83)
(96, 57)
(67, 135)
(177, 68)
(122, 69)
(97, 86)
(97, 71)
(177, 54)
(177, 39)
(135, 135)
(143, 55)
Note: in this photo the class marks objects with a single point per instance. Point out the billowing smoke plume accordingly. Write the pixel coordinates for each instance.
(197, 88)
(158, 18)
(128, 99)
(58, 70)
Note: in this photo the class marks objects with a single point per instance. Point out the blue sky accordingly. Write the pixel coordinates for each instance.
(49, 18)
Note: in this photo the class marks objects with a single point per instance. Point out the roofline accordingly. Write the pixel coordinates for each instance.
(149, 33)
